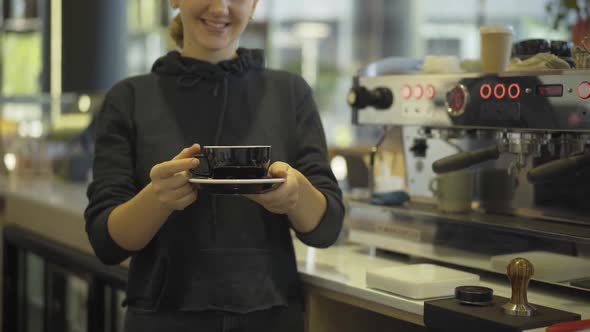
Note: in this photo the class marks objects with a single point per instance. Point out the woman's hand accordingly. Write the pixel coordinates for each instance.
(283, 199)
(170, 180)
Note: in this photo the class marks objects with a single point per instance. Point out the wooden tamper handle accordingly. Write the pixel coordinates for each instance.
(519, 272)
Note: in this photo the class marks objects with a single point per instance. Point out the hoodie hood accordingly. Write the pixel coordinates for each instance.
(174, 64)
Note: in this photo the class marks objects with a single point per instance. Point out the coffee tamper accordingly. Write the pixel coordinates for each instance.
(519, 272)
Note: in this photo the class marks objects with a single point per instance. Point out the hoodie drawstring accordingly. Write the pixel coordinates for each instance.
(191, 72)
(218, 132)
(223, 110)
(188, 81)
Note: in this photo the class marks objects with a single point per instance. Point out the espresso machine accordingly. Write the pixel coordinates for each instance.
(534, 126)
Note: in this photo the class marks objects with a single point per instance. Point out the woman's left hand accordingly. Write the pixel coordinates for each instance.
(283, 199)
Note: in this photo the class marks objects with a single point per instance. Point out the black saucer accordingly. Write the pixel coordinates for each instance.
(237, 186)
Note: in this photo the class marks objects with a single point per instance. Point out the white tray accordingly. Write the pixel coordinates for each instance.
(548, 266)
(420, 281)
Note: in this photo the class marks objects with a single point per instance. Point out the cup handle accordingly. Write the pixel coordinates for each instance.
(208, 173)
(433, 185)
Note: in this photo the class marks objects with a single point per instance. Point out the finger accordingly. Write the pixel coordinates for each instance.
(186, 200)
(188, 152)
(257, 199)
(280, 188)
(171, 195)
(170, 168)
(272, 197)
(288, 193)
(181, 192)
(282, 207)
(262, 199)
(279, 169)
(176, 181)
(274, 206)
(284, 200)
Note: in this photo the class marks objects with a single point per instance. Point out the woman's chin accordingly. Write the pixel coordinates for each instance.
(216, 45)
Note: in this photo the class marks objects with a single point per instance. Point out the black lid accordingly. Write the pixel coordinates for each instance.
(530, 47)
(474, 294)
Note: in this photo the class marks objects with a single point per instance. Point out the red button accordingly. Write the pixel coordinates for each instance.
(406, 92)
(514, 91)
(418, 91)
(584, 90)
(499, 91)
(485, 91)
(430, 91)
(456, 100)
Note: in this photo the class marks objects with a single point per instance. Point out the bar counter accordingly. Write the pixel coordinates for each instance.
(336, 294)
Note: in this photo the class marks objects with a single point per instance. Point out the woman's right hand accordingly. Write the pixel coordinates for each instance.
(170, 180)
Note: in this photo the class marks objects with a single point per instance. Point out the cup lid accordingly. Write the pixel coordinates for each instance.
(496, 29)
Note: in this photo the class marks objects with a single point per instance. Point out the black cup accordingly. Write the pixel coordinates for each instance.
(495, 189)
(234, 162)
(525, 49)
(561, 48)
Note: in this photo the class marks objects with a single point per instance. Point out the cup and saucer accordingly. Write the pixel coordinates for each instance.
(234, 170)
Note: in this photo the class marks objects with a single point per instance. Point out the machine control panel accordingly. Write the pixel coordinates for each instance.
(552, 101)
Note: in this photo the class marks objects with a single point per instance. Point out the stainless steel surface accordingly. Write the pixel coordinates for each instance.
(540, 125)
(521, 310)
(393, 65)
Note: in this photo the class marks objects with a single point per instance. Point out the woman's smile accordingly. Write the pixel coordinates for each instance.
(215, 25)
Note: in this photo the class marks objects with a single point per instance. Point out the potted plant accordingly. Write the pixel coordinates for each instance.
(574, 14)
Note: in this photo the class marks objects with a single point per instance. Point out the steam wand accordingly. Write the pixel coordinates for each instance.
(374, 149)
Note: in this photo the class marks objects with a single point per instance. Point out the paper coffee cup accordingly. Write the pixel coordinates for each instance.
(496, 47)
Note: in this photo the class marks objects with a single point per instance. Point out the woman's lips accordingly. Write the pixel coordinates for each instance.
(215, 26)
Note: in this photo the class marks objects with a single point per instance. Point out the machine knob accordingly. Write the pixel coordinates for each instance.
(519, 272)
(457, 100)
(379, 98)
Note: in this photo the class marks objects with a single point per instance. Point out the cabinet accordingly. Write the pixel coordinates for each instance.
(329, 311)
(47, 287)
(66, 306)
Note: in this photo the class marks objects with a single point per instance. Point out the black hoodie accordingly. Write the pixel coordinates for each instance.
(221, 252)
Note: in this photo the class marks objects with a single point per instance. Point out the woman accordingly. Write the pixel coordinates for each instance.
(201, 262)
